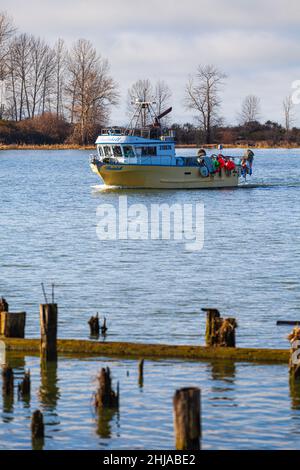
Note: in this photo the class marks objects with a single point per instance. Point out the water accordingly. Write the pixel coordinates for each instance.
(152, 291)
(244, 406)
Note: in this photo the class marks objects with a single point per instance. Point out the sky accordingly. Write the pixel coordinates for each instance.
(256, 43)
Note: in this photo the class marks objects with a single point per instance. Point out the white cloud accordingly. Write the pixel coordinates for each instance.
(255, 43)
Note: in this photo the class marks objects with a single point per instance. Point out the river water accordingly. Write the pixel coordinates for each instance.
(153, 291)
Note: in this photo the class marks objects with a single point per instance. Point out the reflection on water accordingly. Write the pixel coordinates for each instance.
(223, 376)
(295, 393)
(244, 406)
(104, 420)
(49, 391)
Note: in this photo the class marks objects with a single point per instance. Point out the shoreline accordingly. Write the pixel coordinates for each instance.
(178, 146)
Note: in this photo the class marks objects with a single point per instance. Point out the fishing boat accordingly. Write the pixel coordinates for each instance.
(144, 156)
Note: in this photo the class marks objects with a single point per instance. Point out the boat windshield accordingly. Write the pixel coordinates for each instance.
(117, 151)
(128, 151)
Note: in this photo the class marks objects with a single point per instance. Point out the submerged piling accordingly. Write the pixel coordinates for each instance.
(48, 323)
(37, 430)
(105, 396)
(187, 421)
(141, 373)
(94, 325)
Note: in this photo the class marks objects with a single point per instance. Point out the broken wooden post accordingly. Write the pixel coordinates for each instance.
(3, 305)
(94, 325)
(37, 430)
(219, 331)
(7, 381)
(48, 322)
(294, 364)
(212, 326)
(12, 324)
(105, 396)
(227, 333)
(104, 328)
(24, 386)
(141, 372)
(187, 425)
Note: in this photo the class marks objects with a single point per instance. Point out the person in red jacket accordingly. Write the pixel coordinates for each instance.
(221, 162)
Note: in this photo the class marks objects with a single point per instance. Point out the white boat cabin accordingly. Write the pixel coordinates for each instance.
(116, 146)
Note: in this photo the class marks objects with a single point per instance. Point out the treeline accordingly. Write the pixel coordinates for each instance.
(55, 95)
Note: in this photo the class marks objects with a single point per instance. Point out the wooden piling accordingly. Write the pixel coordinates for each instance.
(294, 362)
(94, 325)
(105, 396)
(212, 326)
(141, 372)
(24, 386)
(227, 333)
(7, 381)
(219, 331)
(187, 424)
(3, 305)
(12, 325)
(37, 430)
(104, 327)
(48, 323)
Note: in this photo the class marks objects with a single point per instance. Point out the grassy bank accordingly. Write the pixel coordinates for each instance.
(159, 351)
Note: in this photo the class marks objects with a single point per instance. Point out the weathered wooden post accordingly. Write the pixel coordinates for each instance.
(187, 425)
(24, 386)
(227, 333)
(212, 326)
(104, 327)
(37, 430)
(141, 372)
(94, 325)
(12, 325)
(3, 305)
(294, 364)
(105, 395)
(219, 331)
(48, 322)
(106, 403)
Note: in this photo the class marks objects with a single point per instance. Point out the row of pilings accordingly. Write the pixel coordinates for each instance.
(220, 332)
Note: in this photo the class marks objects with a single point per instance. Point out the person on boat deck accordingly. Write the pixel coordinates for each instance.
(244, 167)
(215, 163)
(229, 164)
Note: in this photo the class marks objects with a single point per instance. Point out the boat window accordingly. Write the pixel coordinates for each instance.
(100, 150)
(107, 151)
(165, 147)
(117, 151)
(128, 151)
(146, 151)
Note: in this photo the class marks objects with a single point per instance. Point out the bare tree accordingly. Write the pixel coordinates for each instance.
(60, 69)
(202, 94)
(19, 64)
(288, 110)
(6, 31)
(141, 90)
(163, 96)
(90, 88)
(250, 111)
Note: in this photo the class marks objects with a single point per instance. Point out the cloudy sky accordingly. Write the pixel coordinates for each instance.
(256, 43)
